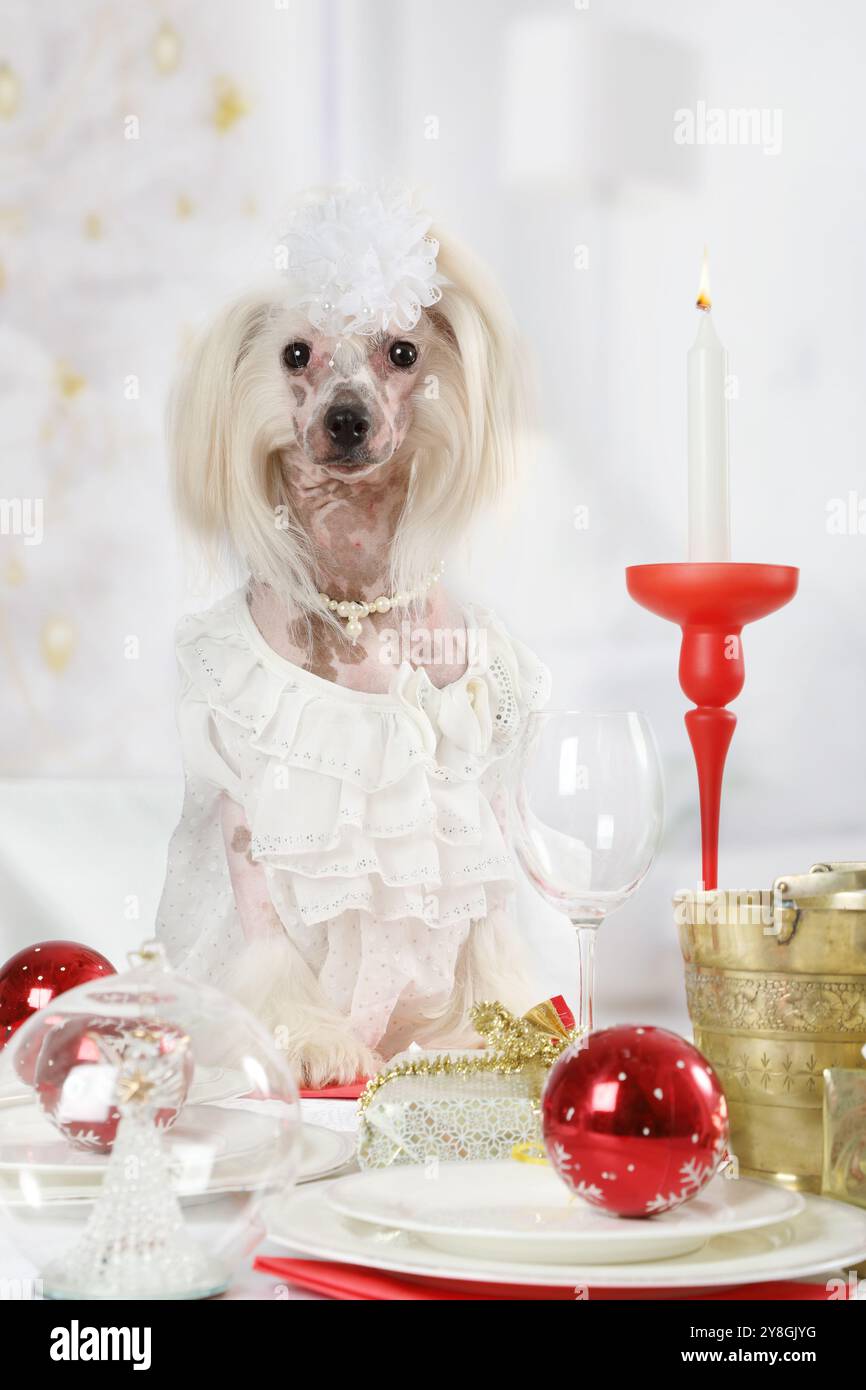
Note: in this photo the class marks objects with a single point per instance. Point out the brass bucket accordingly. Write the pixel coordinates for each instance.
(776, 989)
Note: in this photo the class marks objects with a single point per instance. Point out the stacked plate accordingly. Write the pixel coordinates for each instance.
(514, 1223)
(217, 1146)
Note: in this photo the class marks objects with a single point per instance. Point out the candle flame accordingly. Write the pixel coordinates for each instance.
(703, 301)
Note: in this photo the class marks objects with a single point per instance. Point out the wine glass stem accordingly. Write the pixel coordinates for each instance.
(586, 965)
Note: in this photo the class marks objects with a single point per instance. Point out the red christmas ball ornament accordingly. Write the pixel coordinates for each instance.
(77, 1075)
(634, 1120)
(34, 978)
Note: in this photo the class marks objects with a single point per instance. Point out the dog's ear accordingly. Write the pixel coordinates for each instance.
(228, 423)
(468, 425)
(492, 391)
(203, 421)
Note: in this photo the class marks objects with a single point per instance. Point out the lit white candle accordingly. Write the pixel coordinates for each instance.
(709, 506)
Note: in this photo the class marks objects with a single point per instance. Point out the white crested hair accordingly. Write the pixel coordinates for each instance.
(230, 425)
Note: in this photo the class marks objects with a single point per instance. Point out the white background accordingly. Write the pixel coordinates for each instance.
(553, 128)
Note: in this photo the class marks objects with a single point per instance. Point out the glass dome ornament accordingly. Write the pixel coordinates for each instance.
(61, 1073)
(158, 1113)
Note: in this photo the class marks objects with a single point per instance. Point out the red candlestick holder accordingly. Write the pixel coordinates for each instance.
(712, 603)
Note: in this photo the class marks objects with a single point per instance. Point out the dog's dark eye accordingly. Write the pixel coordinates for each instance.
(403, 353)
(296, 356)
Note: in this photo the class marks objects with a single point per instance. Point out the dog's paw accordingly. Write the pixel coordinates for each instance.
(334, 1057)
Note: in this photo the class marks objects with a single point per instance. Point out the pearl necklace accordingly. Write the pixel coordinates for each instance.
(354, 611)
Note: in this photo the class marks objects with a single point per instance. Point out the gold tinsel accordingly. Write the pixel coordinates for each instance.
(531, 1044)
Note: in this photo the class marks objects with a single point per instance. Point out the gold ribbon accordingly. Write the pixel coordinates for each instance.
(512, 1044)
(539, 1036)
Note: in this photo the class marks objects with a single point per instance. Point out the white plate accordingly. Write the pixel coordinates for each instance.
(209, 1083)
(825, 1236)
(217, 1083)
(216, 1133)
(517, 1211)
(324, 1152)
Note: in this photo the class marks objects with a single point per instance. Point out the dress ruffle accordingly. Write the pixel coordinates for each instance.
(365, 810)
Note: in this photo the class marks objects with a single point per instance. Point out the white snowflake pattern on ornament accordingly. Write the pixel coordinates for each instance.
(693, 1175)
(589, 1192)
(662, 1203)
(88, 1139)
(562, 1159)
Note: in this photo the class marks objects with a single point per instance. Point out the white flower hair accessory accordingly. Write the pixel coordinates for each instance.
(360, 261)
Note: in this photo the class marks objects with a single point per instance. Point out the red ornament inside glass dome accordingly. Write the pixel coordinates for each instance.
(634, 1120)
(34, 977)
(77, 1075)
(29, 1045)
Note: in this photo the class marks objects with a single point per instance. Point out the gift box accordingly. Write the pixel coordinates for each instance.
(429, 1118)
(844, 1174)
(481, 1104)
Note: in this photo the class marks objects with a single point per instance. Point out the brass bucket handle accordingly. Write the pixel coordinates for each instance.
(821, 881)
(847, 867)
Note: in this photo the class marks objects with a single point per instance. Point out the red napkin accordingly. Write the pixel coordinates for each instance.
(350, 1092)
(354, 1282)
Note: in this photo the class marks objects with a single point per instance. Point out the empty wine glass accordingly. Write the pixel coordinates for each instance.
(588, 817)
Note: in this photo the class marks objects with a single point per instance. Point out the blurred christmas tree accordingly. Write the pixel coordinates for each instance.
(142, 170)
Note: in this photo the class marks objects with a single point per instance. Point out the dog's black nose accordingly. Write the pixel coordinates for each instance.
(347, 425)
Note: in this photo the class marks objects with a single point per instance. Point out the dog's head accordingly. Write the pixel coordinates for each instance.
(266, 395)
(348, 402)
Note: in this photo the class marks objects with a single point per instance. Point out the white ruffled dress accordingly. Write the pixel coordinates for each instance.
(378, 819)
